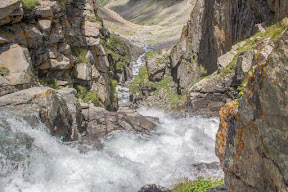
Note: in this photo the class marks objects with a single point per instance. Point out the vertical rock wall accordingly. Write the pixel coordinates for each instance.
(251, 142)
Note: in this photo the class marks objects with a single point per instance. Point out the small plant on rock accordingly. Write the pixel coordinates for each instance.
(4, 71)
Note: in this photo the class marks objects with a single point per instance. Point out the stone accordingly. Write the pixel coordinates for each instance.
(44, 102)
(33, 35)
(156, 66)
(84, 71)
(20, 74)
(44, 12)
(61, 63)
(45, 24)
(10, 11)
(153, 188)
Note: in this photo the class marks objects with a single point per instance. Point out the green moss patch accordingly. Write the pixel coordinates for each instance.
(120, 65)
(199, 185)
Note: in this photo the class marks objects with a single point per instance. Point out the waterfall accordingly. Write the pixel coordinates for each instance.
(32, 160)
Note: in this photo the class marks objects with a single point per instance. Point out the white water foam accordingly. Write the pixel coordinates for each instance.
(127, 162)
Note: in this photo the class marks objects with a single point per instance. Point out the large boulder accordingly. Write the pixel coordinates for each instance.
(15, 68)
(44, 103)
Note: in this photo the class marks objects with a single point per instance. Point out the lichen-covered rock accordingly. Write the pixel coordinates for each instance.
(251, 142)
(10, 11)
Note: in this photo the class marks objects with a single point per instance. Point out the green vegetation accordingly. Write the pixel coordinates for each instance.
(4, 71)
(151, 54)
(113, 94)
(99, 19)
(113, 46)
(120, 65)
(199, 185)
(79, 54)
(87, 96)
(226, 71)
(243, 85)
(273, 31)
(142, 80)
(28, 5)
(49, 82)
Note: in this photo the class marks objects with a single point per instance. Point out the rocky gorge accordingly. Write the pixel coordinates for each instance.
(61, 67)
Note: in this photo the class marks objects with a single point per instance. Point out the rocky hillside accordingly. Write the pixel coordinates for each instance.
(199, 69)
(59, 65)
(61, 44)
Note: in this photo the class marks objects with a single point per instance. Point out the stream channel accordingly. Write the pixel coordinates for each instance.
(31, 160)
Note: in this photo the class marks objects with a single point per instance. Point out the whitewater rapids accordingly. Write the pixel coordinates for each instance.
(31, 160)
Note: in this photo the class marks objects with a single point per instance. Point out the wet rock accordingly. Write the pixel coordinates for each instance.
(153, 188)
(44, 103)
(221, 188)
(101, 122)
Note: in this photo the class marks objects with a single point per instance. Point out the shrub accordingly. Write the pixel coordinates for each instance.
(199, 185)
(87, 96)
(49, 82)
(4, 71)
(120, 65)
(28, 5)
(225, 71)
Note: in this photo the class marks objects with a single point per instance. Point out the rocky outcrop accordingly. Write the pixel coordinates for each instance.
(251, 142)
(101, 122)
(60, 41)
(46, 104)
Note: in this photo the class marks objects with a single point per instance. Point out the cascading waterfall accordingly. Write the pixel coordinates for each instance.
(32, 160)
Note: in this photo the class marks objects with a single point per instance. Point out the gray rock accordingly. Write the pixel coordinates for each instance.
(10, 11)
(153, 188)
(44, 102)
(17, 75)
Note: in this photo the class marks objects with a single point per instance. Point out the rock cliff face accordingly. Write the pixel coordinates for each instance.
(213, 28)
(252, 138)
(64, 42)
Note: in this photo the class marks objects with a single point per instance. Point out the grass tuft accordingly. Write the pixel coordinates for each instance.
(200, 185)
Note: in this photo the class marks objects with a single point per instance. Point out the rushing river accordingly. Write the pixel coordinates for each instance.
(33, 161)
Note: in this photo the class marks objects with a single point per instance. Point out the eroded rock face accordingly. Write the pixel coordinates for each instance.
(251, 142)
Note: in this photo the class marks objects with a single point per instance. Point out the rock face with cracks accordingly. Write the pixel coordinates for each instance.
(251, 142)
